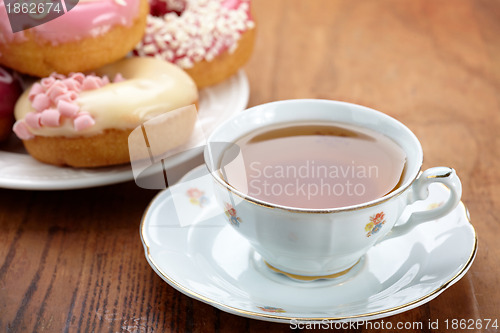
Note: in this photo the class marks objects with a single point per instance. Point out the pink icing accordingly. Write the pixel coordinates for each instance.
(204, 30)
(54, 99)
(87, 19)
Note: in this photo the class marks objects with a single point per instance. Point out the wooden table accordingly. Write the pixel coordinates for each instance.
(73, 260)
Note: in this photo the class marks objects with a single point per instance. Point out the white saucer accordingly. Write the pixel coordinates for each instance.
(207, 260)
(18, 170)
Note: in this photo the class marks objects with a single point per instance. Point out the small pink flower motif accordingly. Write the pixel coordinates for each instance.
(197, 197)
(271, 309)
(231, 214)
(194, 192)
(375, 224)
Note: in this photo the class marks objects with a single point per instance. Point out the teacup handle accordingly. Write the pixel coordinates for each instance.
(420, 191)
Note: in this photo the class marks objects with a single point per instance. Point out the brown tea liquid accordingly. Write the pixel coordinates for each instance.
(316, 165)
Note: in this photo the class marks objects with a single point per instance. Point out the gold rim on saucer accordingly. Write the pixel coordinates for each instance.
(310, 278)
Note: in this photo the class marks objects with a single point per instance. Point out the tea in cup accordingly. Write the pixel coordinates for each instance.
(314, 184)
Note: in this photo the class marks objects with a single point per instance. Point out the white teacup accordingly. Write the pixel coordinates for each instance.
(314, 243)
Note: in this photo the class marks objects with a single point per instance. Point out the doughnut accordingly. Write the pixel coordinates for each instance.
(90, 35)
(209, 39)
(84, 120)
(10, 89)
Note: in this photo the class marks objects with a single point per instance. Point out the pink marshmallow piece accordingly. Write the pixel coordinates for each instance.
(35, 90)
(50, 118)
(64, 97)
(67, 109)
(118, 78)
(70, 96)
(32, 119)
(22, 131)
(83, 121)
(104, 80)
(72, 84)
(57, 76)
(40, 102)
(47, 82)
(90, 83)
(79, 77)
(57, 89)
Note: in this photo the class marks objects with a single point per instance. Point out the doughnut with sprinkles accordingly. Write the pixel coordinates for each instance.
(209, 39)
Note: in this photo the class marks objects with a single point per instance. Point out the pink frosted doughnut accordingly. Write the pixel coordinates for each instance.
(90, 35)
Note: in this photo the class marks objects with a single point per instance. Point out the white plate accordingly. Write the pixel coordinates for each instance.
(18, 170)
(207, 260)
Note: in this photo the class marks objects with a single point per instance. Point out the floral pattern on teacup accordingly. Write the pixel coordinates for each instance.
(375, 224)
(271, 309)
(197, 197)
(231, 214)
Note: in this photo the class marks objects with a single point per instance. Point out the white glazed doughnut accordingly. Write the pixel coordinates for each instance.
(84, 120)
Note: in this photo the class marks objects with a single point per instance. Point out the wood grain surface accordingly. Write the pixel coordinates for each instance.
(72, 261)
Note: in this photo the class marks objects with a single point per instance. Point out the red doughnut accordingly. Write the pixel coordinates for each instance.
(10, 89)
